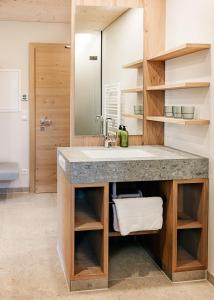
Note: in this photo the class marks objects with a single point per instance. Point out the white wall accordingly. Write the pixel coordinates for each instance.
(123, 43)
(14, 39)
(192, 21)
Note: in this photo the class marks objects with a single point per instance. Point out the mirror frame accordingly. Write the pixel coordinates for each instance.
(153, 72)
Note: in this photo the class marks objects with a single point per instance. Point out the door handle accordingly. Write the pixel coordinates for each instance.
(45, 122)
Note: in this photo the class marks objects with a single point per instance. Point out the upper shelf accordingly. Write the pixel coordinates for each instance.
(139, 117)
(133, 90)
(177, 86)
(134, 65)
(178, 121)
(179, 51)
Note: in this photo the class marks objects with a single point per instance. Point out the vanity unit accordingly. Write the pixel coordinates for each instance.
(85, 177)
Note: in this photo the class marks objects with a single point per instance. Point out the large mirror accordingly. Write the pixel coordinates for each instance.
(108, 84)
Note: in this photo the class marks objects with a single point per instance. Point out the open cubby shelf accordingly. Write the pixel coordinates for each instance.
(88, 208)
(189, 254)
(88, 254)
(182, 50)
(189, 206)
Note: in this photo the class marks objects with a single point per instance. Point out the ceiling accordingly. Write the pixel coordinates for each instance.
(54, 11)
(96, 18)
(58, 11)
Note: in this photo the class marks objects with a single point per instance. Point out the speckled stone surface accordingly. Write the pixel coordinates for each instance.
(165, 164)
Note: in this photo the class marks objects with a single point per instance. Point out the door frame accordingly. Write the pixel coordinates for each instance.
(32, 113)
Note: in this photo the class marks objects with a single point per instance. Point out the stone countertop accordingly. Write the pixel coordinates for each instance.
(165, 164)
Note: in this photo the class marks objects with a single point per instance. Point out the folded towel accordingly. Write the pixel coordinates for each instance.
(137, 214)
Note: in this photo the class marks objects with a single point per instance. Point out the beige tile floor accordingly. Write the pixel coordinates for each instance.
(29, 266)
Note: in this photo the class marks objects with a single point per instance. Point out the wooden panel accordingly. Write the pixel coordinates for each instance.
(178, 86)
(145, 232)
(90, 18)
(196, 256)
(188, 224)
(133, 90)
(65, 208)
(168, 249)
(50, 97)
(179, 51)
(54, 11)
(99, 239)
(154, 72)
(178, 121)
(134, 65)
(132, 116)
(120, 3)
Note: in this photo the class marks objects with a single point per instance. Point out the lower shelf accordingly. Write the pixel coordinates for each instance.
(88, 254)
(186, 261)
(115, 233)
(188, 224)
(190, 255)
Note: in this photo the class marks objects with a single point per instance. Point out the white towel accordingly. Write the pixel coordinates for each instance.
(137, 214)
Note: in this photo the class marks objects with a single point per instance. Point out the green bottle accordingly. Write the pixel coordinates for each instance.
(119, 133)
(124, 137)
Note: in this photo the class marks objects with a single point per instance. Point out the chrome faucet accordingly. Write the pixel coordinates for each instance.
(110, 139)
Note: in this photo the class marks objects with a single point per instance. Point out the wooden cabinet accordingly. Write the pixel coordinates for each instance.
(180, 246)
(184, 235)
(83, 233)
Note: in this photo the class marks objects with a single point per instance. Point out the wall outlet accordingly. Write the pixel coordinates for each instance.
(24, 171)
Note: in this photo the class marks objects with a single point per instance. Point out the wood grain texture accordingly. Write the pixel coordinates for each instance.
(65, 209)
(178, 86)
(154, 72)
(134, 65)
(133, 90)
(180, 51)
(168, 250)
(50, 97)
(54, 11)
(178, 121)
(132, 116)
(193, 189)
(119, 3)
(96, 18)
(78, 248)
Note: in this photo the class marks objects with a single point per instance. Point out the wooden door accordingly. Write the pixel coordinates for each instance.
(52, 111)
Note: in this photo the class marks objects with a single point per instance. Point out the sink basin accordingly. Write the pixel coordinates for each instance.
(117, 153)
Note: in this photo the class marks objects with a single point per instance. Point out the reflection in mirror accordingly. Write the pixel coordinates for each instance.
(106, 40)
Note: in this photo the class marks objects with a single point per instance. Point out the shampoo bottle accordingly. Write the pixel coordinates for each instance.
(124, 137)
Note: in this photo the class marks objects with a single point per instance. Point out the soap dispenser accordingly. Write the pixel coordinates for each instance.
(124, 137)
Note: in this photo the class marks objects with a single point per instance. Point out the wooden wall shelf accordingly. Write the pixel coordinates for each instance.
(178, 86)
(116, 234)
(188, 224)
(179, 51)
(178, 121)
(134, 65)
(133, 90)
(139, 117)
